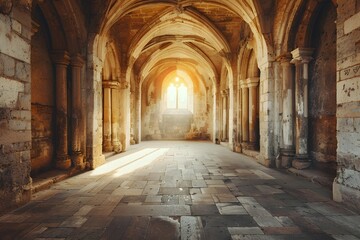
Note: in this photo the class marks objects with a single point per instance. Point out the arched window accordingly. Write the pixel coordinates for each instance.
(177, 95)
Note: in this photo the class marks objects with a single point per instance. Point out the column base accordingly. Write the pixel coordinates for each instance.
(108, 147)
(117, 147)
(63, 163)
(238, 148)
(301, 162)
(286, 157)
(78, 160)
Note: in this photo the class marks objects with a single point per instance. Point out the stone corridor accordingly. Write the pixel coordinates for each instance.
(182, 190)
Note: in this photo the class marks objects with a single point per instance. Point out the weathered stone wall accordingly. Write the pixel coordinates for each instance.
(42, 100)
(346, 186)
(322, 90)
(15, 105)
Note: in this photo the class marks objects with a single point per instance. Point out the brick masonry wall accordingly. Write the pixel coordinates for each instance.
(347, 184)
(15, 104)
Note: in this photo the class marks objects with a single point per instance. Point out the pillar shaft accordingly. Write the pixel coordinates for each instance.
(301, 58)
(76, 124)
(115, 119)
(107, 145)
(224, 115)
(245, 112)
(253, 101)
(61, 60)
(288, 105)
(124, 100)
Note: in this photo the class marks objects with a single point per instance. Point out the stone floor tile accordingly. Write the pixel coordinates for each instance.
(173, 191)
(74, 222)
(170, 199)
(230, 209)
(185, 200)
(191, 228)
(281, 230)
(133, 191)
(138, 184)
(133, 199)
(228, 221)
(215, 190)
(215, 182)
(245, 231)
(152, 210)
(153, 199)
(224, 198)
(204, 210)
(216, 233)
(267, 221)
(202, 199)
(151, 190)
(63, 232)
(198, 184)
(268, 189)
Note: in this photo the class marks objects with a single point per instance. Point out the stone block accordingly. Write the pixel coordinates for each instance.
(7, 66)
(24, 101)
(345, 125)
(352, 23)
(23, 71)
(11, 43)
(16, 26)
(9, 90)
(348, 91)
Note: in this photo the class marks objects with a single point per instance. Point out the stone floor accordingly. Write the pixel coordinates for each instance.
(182, 190)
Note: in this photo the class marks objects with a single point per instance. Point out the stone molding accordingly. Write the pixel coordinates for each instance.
(252, 82)
(302, 55)
(110, 84)
(77, 61)
(60, 57)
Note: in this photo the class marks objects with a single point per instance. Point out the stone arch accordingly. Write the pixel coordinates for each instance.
(61, 62)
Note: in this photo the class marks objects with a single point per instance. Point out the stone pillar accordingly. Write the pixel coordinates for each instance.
(224, 94)
(288, 148)
(244, 113)
(252, 84)
(124, 101)
(301, 58)
(238, 116)
(115, 117)
(61, 60)
(76, 124)
(107, 145)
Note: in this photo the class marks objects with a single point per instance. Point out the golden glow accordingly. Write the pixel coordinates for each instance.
(118, 162)
(141, 162)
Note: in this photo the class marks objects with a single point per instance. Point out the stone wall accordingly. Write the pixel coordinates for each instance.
(346, 187)
(42, 100)
(322, 91)
(15, 105)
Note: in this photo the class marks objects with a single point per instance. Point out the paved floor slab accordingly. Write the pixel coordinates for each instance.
(191, 190)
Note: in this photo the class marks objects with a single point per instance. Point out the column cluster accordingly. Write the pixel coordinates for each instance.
(111, 116)
(295, 108)
(249, 111)
(62, 61)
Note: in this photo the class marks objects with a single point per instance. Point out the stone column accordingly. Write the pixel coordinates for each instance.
(61, 60)
(124, 101)
(252, 84)
(288, 148)
(301, 58)
(107, 145)
(115, 117)
(76, 124)
(224, 94)
(244, 114)
(238, 116)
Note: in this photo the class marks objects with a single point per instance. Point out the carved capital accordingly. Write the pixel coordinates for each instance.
(302, 55)
(110, 84)
(124, 85)
(77, 61)
(252, 82)
(60, 57)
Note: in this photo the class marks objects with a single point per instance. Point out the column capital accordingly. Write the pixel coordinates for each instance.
(124, 85)
(110, 84)
(252, 82)
(60, 57)
(225, 92)
(284, 59)
(77, 61)
(302, 55)
(243, 83)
